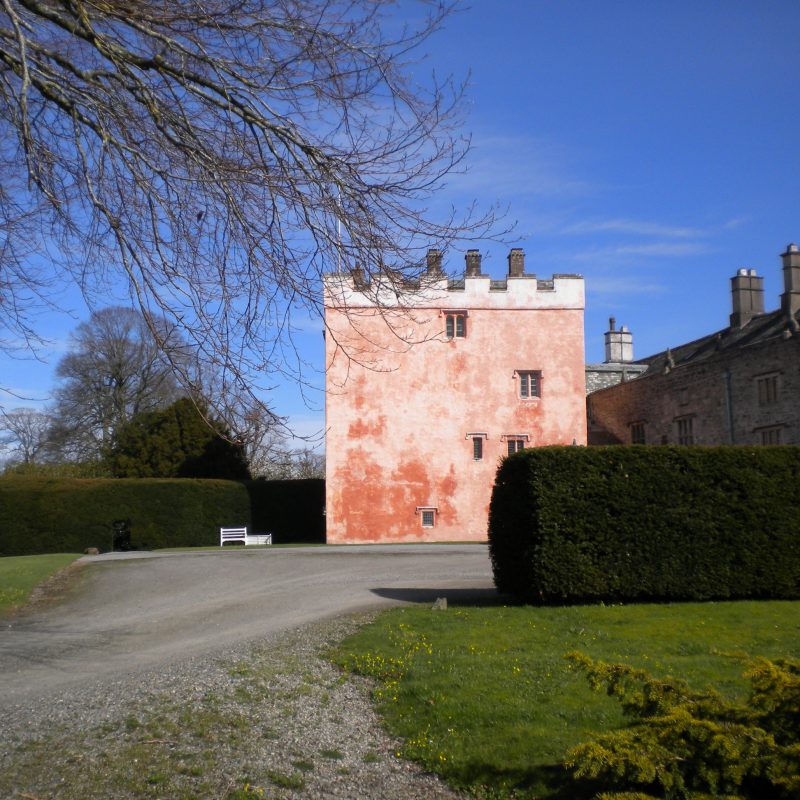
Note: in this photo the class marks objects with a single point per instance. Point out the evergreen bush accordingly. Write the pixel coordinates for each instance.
(570, 524)
(67, 515)
(179, 441)
(51, 515)
(690, 745)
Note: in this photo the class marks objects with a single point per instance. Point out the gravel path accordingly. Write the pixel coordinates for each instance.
(264, 715)
(301, 729)
(138, 611)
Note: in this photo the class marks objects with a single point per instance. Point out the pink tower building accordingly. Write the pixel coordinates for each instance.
(428, 387)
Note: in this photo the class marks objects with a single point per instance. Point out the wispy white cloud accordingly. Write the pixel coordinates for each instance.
(308, 430)
(624, 255)
(307, 324)
(617, 286)
(644, 229)
(660, 249)
(44, 350)
(736, 222)
(22, 396)
(633, 227)
(513, 167)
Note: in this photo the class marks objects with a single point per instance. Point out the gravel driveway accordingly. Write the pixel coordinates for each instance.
(136, 632)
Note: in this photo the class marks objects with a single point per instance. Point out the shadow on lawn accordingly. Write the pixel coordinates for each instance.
(552, 782)
(455, 597)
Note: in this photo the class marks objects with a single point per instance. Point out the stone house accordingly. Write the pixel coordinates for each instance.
(619, 365)
(429, 384)
(738, 385)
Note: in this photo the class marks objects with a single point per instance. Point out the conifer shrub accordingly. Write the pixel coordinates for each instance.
(691, 745)
(570, 524)
(67, 515)
(180, 441)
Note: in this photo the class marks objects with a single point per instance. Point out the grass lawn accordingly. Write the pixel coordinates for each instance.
(19, 575)
(485, 698)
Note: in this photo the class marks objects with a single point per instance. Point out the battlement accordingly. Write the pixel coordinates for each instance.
(474, 289)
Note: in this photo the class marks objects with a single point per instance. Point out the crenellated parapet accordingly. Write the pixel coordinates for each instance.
(474, 289)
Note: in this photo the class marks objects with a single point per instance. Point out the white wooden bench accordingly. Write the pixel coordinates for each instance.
(241, 535)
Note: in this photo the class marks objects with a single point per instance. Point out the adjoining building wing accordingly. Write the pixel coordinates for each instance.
(738, 385)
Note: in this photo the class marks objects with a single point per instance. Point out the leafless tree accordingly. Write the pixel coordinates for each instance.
(23, 433)
(219, 156)
(114, 371)
(276, 459)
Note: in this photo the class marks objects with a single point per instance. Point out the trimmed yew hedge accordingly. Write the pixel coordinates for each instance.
(67, 515)
(292, 510)
(574, 524)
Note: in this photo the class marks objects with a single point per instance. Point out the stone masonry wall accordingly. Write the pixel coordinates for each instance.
(601, 376)
(711, 393)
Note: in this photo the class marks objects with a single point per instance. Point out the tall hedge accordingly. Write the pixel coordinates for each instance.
(292, 510)
(571, 524)
(50, 515)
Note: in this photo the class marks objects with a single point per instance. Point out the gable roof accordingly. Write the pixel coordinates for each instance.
(760, 329)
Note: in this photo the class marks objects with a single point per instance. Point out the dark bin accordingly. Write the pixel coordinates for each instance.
(121, 539)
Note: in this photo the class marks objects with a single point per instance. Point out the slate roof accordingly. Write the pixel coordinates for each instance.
(760, 329)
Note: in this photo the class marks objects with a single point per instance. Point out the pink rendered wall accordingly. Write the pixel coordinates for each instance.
(396, 430)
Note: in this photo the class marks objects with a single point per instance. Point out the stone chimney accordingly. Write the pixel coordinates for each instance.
(473, 260)
(619, 344)
(747, 295)
(516, 262)
(434, 263)
(359, 281)
(790, 299)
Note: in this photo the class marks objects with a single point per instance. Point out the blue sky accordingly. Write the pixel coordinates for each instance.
(650, 146)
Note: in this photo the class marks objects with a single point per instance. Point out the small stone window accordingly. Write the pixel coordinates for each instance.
(515, 442)
(767, 387)
(515, 445)
(477, 445)
(530, 383)
(769, 436)
(685, 430)
(427, 516)
(455, 325)
(637, 433)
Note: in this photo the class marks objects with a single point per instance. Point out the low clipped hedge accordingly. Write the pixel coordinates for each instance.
(67, 515)
(571, 524)
(292, 510)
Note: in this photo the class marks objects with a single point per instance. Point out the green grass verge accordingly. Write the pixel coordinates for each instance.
(485, 698)
(19, 575)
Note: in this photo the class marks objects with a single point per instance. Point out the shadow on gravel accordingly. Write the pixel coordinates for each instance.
(455, 597)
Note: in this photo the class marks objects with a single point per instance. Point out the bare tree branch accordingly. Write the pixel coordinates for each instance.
(114, 371)
(218, 156)
(23, 433)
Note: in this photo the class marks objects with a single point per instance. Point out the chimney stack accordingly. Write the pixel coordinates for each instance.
(359, 281)
(434, 263)
(473, 259)
(790, 299)
(516, 262)
(747, 295)
(619, 344)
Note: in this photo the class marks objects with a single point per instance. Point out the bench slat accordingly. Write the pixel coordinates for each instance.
(241, 535)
